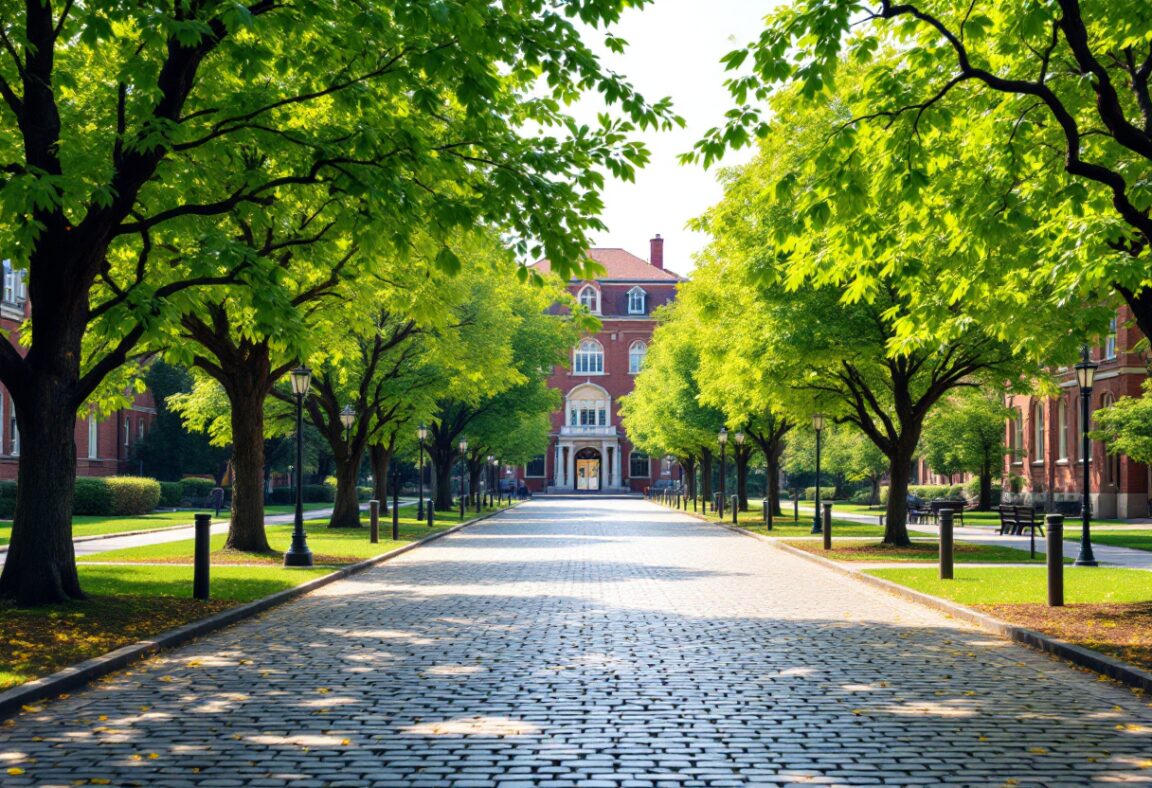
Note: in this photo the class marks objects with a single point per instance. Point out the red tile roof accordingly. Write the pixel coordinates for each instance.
(621, 264)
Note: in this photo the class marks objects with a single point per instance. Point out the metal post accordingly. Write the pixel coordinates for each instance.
(462, 502)
(396, 505)
(723, 473)
(795, 506)
(768, 513)
(1086, 558)
(299, 554)
(827, 529)
(431, 514)
(816, 518)
(735, 509)
(374, 521)
(1055, 557)
(202, 553)
(420, 485)
(946, 546)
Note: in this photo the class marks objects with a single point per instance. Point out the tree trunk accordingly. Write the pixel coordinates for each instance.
(689, 466)
(474, 470)
(380, 459)
(706, 474)
(741, 460)
(246, 531)
(899, 471)
(41, 562)
(443, 473)
(985, 502)
(874, 496)
(346, 506)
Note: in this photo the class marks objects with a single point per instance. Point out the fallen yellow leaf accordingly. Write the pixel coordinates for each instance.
(15, 771)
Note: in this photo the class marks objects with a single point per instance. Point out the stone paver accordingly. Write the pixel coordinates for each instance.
(591, 643)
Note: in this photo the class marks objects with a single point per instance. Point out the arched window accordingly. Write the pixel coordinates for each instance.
(638, 466)
(590, 298)
(637, 301)
(1038, 432)
(1062, 428)
(589, 358)
(636, 354)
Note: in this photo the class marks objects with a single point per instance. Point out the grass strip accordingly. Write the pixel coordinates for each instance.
(925, 551)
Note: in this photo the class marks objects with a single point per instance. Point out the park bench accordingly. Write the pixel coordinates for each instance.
(1016, 520)
(931, 513)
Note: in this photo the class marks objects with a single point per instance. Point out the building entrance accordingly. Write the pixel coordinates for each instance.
(587, 469)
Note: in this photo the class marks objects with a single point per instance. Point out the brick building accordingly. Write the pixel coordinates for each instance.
(588, 450)
(1045, 433)
(103, 446)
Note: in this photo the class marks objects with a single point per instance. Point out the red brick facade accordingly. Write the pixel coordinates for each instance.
(1046, 434)
(588, 450)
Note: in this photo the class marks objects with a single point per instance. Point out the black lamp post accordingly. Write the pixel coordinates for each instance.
(818, 425)
(723, 438)
(463, 450)
(739, 438)
(299, 554)
(1085, 377)
(494, 480)
(421, 436)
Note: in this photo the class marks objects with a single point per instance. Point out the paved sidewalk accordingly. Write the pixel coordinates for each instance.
(1105, 554)
(594, 643)
(180, 534)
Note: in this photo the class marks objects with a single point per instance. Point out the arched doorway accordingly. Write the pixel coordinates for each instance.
(588, 469)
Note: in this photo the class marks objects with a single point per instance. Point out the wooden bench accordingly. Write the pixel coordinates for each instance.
(1015, 520)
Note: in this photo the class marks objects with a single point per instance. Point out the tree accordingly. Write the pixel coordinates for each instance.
(125, 128)
(1126, 426)
(967, 436)
(1050, 101)
(664, 413)
(170, 451)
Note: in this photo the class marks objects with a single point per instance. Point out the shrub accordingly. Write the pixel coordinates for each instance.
(7, 499)
(364, 493)
(171, 494)
(133, 494)
(826, 493)
(195, 487)
(93, 496)
(319, 493)
(862, 496)
(282, 495)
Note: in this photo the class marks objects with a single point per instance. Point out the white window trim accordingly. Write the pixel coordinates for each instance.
(1062, 434)
(643, 294)
(576, 354)
(1038, 434)
(93, 437)
(643, 356)
(596, 297)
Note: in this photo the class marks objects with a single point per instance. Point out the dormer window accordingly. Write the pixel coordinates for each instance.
(590, 299)
(637, 301)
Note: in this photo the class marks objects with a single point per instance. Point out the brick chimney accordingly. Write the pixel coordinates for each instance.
(657, 252)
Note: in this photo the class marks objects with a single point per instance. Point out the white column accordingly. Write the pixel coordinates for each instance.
(556, 466)
(570, 467)
(619, 463)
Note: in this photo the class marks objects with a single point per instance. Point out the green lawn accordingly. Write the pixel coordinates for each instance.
(921, 550)
(1021, 585)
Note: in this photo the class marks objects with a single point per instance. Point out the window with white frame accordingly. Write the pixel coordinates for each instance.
(535, 468)
(9, 283)
(638, 465)
(1062, 429)
(637, 301)
(1038, 432)
(93, 436)
(1017, 436)
(140, 428)
(1110, 341)
(589, 358)
(636, 354)
(127, 431)
(590, 298)
(14, 431)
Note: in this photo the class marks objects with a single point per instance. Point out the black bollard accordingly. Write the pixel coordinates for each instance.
(946, 546)
(374, 521)
(827, 527)
(1055, 523)
(796, 508)
(428, 507)
(202, 556)
(735, 510)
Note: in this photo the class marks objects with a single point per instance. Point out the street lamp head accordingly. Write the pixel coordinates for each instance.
(463, 445)
(301, 380)
(1086, 371)
(739, 437)
(817, 421)
(422, 433)
(495, 461)
(723, 436)
(348, 417)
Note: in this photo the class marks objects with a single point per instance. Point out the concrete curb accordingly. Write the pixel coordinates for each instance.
(1077, 655)
(12, 700)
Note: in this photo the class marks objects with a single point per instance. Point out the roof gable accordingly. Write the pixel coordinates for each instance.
(621, 264)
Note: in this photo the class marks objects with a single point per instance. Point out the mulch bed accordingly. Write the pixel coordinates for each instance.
(1123, 631)
(39, 641)
(876, 551)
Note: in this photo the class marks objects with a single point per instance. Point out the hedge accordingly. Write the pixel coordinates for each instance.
(826, 493)
(7, 499)
(171, 494)
(133, 494)
(93, 496)
(195, 487)
(313, 493)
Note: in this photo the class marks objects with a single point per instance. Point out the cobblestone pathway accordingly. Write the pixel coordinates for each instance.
(601, 643)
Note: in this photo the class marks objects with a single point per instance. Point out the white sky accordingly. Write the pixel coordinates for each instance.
(674, 50)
